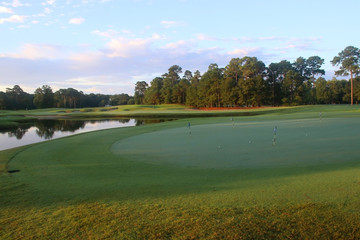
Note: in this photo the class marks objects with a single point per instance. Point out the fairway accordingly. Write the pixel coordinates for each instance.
(222, 181)
(298, 143)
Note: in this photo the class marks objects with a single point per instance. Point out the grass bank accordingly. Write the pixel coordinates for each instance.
(12, 121)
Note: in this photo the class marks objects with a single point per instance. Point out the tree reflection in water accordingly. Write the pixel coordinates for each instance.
(18, 132)
(46, 129)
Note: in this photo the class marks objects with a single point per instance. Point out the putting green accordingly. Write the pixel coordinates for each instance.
(299, 143)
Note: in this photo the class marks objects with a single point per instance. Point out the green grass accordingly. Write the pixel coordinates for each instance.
(12, 121)
(165, 110)
(157, 182)
(169, 111)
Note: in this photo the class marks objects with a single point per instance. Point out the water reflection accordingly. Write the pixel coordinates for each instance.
(18, 132)
(47, 128)
(42, 130)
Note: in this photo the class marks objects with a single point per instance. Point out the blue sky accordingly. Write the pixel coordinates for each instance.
(106, 46)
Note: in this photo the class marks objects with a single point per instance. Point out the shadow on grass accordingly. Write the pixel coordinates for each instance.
(134, 182)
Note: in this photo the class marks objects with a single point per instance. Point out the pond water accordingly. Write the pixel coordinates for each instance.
(43, 130)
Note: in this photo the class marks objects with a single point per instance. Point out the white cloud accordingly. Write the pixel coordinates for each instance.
(16, 3)
(156, 36)
(6, 10)
(124, 61)
(175, 45)
(285, 48)
(48, 10)
(95, 80)
(49, 2)
(117, 65)
(243, 39)
(110, 33)
(93, 1)
(170, 24)
(23, 26)
(129, 47)
(97, 83)
(85, 60)
(203, 37)
(128, 32)
(126, 48)
(76, 20)
(271, 38)
(39, 15)
(180, 47)
(36, 52)
(13, 19)
(243, 51)
(200, 36)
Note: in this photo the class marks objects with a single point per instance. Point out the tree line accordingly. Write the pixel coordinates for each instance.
(243, 81)
(44, 97)
(248, 82)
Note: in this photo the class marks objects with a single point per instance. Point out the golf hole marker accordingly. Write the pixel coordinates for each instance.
(189, 127)
(274, 138)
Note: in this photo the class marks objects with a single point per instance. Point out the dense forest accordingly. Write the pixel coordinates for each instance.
(243, 81)
(44, 97)
(248, 82)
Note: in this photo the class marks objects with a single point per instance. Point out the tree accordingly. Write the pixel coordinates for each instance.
(313, 68)
(252, 87)
(232, 75)
(277, 72)
(348, 61)
(210, 86)
(322, 91)
(293, 88)
(119, 99)
(357, 89)
(140, 88)
(70, 98)
(16, 98)
(2, 100)
(153, 93)
(188, 75)
(44, 97)
(300, 66)
(180, 90)
(308, 69)
(171, 79)
(192, 97)
(336, 90)
(314, 64)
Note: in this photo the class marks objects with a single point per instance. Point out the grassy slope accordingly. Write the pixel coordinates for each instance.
(165, 110)
(169, 110)
(76, 188)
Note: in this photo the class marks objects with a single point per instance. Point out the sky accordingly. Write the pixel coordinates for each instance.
(106, 46)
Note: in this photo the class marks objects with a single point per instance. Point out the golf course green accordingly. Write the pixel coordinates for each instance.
(196, 178)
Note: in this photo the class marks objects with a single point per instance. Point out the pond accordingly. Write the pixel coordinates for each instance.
(43, 130)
